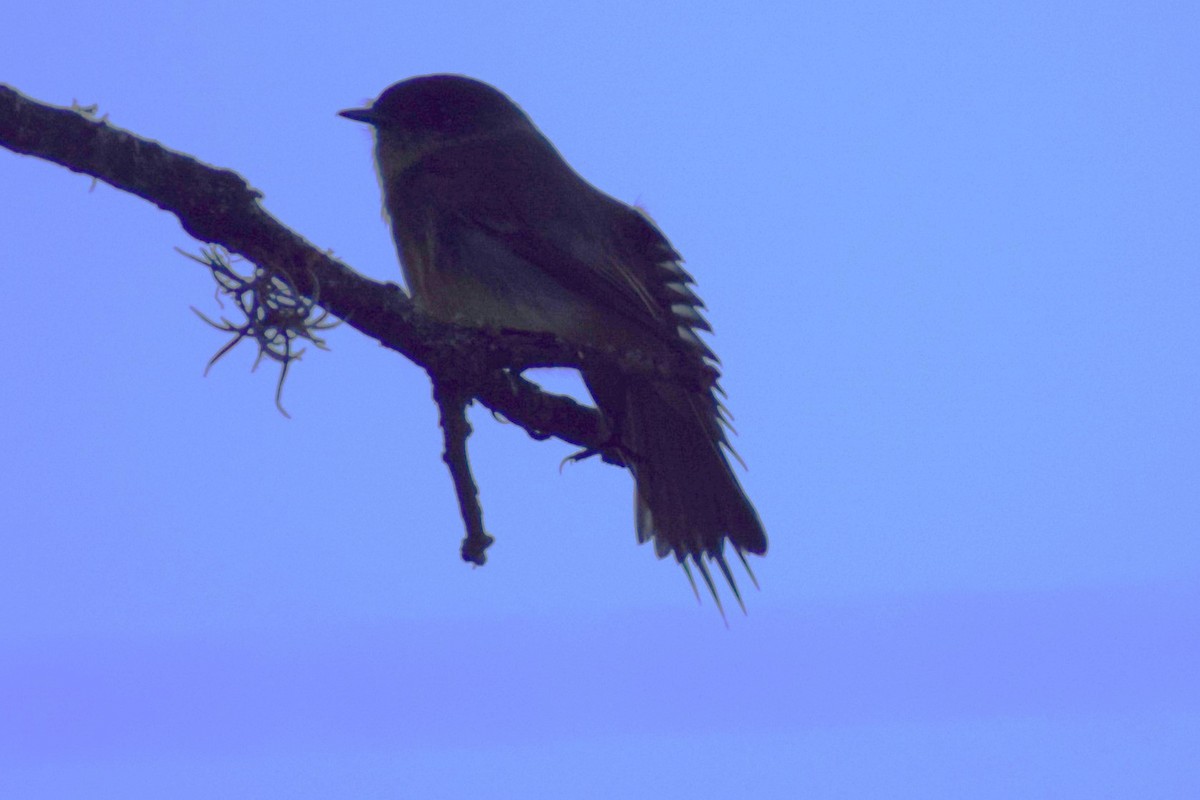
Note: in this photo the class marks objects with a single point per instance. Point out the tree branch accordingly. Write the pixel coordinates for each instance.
(452, 409)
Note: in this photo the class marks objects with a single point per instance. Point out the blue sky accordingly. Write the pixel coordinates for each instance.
(950, 253)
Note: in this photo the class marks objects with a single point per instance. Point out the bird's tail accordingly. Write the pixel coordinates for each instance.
(688, 500)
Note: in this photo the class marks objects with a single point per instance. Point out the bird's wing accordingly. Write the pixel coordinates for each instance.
(538, 208)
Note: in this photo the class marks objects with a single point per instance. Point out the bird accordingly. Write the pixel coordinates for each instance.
(494, 229)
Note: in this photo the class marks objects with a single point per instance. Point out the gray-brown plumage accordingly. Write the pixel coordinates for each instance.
(495, 229)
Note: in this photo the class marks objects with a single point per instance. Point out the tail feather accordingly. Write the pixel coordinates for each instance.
(724, 565)
(688, 501)
(711, 586)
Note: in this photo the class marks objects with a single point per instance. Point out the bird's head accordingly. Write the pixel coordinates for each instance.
(417, 115)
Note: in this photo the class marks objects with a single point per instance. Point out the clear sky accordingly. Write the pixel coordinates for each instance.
(951, 254)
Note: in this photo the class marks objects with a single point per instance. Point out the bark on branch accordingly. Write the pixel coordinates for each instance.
(452, 410)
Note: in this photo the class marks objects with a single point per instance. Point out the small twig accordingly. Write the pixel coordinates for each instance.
(452, 407)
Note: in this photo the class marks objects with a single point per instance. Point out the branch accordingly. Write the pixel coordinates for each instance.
(218, 206)
(452, 408)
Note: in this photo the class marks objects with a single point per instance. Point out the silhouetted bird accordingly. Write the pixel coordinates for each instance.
(495, 229)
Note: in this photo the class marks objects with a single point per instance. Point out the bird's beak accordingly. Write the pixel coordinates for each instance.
(366, 115)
